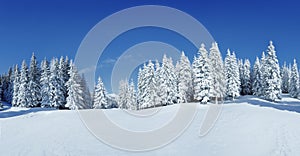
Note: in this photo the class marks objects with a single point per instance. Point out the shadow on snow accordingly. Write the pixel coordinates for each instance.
(9, 114)
(293, 105)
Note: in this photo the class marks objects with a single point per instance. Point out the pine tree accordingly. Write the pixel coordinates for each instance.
(149, 95)
(75, 100)
(232, 76)
(57, 98)
(167, 81)
(285, 74)
(24, 96)
(158, 78)
(141, 86)
(202, 76)
(294, 81)
(45, 84)
(241, 73)
(7, 86)
(34, 83)
(10, 89)
(184, 79)
(88, 101)
(63, 76)
(132, 102)
(100, 98)
(272, 75)
(1, 105)
(218, 76)
(257, 79)
(64, 68)
(263, 74)
(16, 87)
(123, 98)
(246, 78)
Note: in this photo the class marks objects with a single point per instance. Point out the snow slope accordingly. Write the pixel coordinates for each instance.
(249, 126)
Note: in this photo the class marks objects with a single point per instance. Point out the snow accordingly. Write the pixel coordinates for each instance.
(247, 126)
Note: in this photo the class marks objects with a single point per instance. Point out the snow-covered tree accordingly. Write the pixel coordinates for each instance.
(232, 76)
(246, 78)
(16, 86)
(294, 81)
(64, 77)
(149, 95)
(167, 81)
(24, 96)
(202, 76)
(185, 79)
(45, 84)
(257, 79)
(132, 102)
(141, 86)
(7, 85)
(100, 98)
(158, 78)
(1, 105)
(57, 97)
(88, 100)
(263, 74)
(285, 75)
(127, 96)
(272, 76)
(34, 83)
(217, 73)
(123, 98)
(75, 100)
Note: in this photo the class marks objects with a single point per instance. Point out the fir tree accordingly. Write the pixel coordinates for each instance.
(263, 74)
(158, 78)
(232, 76)
(7, 86)
(141, 86)
(149, 95)
(246, 78)
(218, 76)
(202, 75)
(34, 83)
(75, 100)
(100, 98)
(184, 79)
(57, 98)
(272, 75)
(132, 102)
(24, 96)
(285, 74)
(167, 81)
(88, 101)
(123, 98)
(63, 76)
(257, 79)
(45, 84)
(294, 81)
(16, 87)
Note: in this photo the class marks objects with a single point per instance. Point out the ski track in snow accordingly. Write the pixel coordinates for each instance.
(282, 147)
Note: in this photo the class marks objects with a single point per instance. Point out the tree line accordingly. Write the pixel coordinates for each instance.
(58, 83)
(55, 84)
(209, 78)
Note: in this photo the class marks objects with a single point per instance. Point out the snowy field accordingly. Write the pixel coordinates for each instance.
(249, 126)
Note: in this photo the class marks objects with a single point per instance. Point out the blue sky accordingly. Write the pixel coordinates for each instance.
(54, 28)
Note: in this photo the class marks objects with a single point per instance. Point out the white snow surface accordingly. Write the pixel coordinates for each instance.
(247, 126)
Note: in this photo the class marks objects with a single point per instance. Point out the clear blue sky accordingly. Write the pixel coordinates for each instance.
(54, 28)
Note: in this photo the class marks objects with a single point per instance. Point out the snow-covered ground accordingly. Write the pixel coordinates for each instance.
(249, 126)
